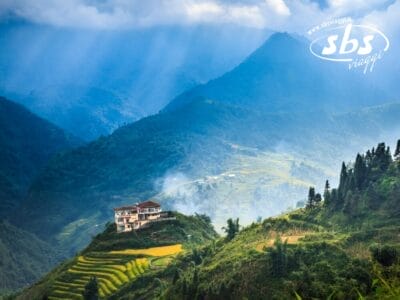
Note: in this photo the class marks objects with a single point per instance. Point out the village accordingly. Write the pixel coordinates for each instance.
(139, 215)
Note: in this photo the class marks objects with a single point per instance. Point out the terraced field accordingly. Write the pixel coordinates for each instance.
(112, 270)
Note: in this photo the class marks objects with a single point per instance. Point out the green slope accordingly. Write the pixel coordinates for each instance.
(118, 260)
(24, 258)
(327, 251)
(27, 142)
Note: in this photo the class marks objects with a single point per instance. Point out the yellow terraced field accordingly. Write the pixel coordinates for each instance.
(112, 269)
(155, 251)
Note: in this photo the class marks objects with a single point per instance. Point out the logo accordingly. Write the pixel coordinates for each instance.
(340, 40)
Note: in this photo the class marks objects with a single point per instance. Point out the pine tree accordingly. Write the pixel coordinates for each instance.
(342, 182)
(317, 199)
(327, 193)
(397, 152)
(91, 291)
(360, 170)
(311, 197)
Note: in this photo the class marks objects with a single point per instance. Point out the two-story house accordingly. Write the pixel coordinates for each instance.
(128, 218)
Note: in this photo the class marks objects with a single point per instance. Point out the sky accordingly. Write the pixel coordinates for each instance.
(278, 15)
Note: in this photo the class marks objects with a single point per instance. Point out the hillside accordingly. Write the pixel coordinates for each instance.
(24, 258)
(214, 153)
(324, 250)
(120, 259)
(27, 143)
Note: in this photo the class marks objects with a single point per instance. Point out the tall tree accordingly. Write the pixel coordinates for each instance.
(311, 197)
(360, 171)
(397, 152)
(342, 182)
(317, 198)
(91, 291)
(327, 192)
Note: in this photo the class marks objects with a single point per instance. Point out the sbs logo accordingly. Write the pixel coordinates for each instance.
(342, 41)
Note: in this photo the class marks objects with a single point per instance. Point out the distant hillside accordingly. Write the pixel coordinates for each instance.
(27, 143)
(120, 259)
(24, 258)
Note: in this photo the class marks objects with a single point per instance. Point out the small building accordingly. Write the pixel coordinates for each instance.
(128, 218)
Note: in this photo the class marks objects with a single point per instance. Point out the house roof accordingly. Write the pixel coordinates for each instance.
(148, 204)
(145, 204)
(132, 207)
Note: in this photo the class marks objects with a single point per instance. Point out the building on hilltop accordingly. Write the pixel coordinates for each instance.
(128, 218)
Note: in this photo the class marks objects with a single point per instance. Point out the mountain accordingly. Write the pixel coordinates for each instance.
(217, 154)
(24, 258)
(345, 247)
(27, 143)
(92, 82)
(281, 75)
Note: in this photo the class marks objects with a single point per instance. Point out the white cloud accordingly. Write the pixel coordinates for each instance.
(289, 15)
(137, 13)
(279, 7)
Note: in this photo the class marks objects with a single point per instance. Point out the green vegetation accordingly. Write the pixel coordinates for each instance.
(91, 291)
(322, 251)
(119, 260)
(23, 258)
(319, 252)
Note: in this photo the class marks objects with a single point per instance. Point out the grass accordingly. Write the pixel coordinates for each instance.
(113, 270)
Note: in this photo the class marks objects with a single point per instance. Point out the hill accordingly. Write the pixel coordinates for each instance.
(216, 153)
(325, 250)
(27, 143)
(119, 259)
(24, 258)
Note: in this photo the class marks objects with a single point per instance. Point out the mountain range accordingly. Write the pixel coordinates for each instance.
(245, 144)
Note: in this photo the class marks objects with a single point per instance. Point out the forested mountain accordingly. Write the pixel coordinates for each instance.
(27, 143)
(342, 246)
(216, 154)
(24, 258)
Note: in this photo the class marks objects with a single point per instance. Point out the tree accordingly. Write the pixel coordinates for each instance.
(232, 228)
(397, 152)
(342, 182)
(311, 197)
(327, 193)
(360, 170)
(385, 255)
(176, 277)
(278, 256)
(317, 199)
(91, 291)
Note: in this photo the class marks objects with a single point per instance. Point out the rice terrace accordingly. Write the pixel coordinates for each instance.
(112, 269)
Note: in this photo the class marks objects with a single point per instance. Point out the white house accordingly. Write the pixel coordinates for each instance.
(128, 218)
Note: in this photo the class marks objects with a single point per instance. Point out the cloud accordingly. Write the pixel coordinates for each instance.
(279, 7)
(289, 15)
(114, 14)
